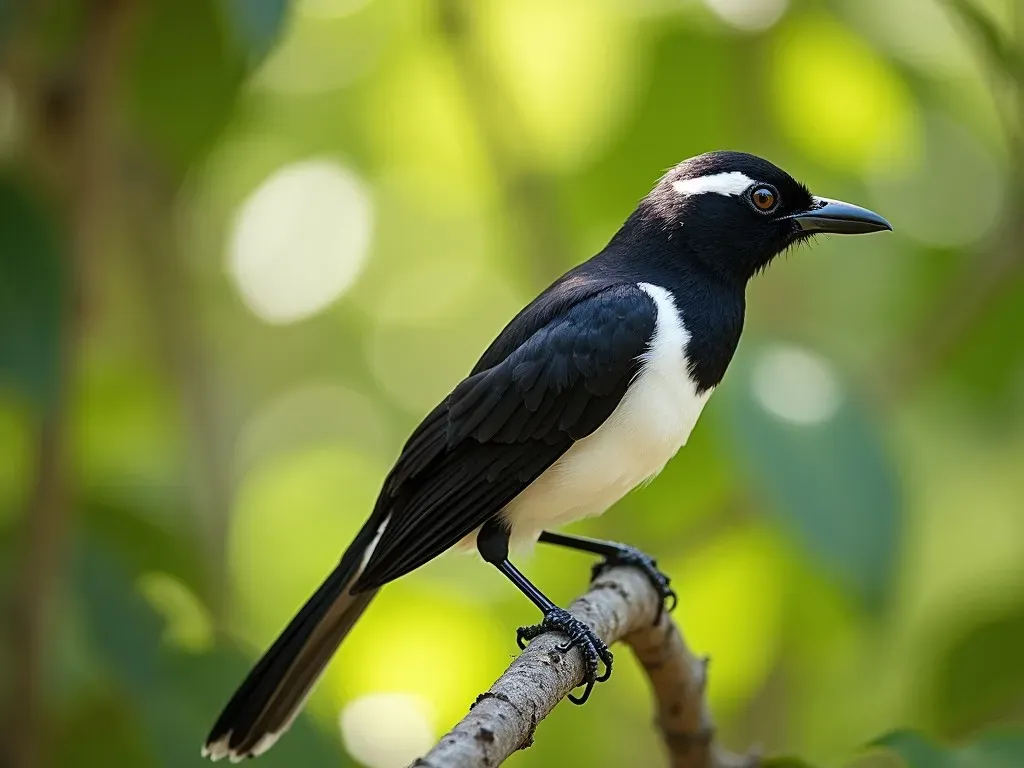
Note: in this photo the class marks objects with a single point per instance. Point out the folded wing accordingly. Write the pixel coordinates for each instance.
(504, 425)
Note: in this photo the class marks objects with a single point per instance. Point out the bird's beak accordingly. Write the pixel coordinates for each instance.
(838, 217)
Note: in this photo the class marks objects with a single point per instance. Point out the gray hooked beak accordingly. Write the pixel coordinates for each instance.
(840, 218)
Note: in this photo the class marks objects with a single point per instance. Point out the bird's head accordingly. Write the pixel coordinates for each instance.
(736, 212)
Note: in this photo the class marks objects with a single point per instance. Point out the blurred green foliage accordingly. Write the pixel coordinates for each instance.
(290, 227)
(991, 751)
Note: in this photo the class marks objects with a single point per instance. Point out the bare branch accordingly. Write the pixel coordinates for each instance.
(621, 605)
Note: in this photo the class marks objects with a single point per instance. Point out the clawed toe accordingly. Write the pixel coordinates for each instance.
(637, 559)
(579, 636)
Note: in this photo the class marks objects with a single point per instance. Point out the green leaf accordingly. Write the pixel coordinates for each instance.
(257, 24)
(982, 677)
(31, 293)
(176, 695)
(185, 76)
(994, 750)
(914, 749)
(829, 480)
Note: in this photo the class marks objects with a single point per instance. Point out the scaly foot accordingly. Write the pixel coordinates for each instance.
(580, 636)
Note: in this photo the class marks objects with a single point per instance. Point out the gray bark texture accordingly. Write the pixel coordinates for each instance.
(620, 605)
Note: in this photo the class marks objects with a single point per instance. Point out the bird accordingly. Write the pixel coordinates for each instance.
(586, 394)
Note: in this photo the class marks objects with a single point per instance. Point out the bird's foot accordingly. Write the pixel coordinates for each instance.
(637, 559)
(580, 636)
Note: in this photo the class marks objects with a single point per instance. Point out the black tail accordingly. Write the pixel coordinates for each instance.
(275, 690)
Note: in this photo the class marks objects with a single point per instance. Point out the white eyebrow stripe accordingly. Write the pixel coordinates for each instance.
(731, 183)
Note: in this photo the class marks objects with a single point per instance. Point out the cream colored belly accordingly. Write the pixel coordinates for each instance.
(631, 447)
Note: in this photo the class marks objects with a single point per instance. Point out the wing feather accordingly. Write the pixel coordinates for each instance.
(504, 425)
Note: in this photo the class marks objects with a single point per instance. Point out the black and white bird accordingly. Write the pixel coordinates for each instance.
(584, 395)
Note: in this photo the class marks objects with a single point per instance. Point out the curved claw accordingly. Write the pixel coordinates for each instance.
(580, 636)
(671, 595)
(649, 566)
(586, 693)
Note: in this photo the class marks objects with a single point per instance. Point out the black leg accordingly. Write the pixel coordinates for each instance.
(492, 542)
(617, 554)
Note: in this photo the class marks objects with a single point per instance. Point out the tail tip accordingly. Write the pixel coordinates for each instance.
(216, 749)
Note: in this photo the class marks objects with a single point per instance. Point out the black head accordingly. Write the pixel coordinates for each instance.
(735, 212)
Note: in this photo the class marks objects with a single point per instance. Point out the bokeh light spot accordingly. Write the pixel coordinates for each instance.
(387, 730)
(730, 592)
(293, 517)
(438, 644)
(837, 99)
(795, 385)
(300, 240)
(434, 151)
(571, 69)
(748, 15)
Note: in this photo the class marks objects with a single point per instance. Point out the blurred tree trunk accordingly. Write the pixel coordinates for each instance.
(70, 113)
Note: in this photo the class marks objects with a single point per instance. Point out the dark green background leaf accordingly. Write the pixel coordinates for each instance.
(831, 483)
(994, 750)
(258, 23)
(982, 676)
(174, 696)
(31, 292)
(185, 75)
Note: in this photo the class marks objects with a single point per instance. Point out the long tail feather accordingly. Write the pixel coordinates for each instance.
(274, 692)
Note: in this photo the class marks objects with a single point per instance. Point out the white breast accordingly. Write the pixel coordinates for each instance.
(651, 423)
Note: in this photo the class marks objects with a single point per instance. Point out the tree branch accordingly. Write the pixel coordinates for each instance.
(621, 605)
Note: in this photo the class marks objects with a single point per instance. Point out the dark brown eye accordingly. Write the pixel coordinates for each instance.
(763, 198)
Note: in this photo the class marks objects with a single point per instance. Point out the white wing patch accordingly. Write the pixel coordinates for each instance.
(731, 183)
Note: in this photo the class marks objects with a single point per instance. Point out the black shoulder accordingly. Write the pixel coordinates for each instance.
(576, 285)
(563, 378)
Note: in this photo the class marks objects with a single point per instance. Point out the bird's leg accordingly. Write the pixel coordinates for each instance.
(618, 554)
(492, 542)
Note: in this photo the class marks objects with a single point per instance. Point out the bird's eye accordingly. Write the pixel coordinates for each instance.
(763, 198)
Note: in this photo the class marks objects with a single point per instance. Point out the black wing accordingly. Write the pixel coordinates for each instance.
(504, 425)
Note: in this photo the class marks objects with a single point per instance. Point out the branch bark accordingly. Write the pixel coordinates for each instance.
(621, 605)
